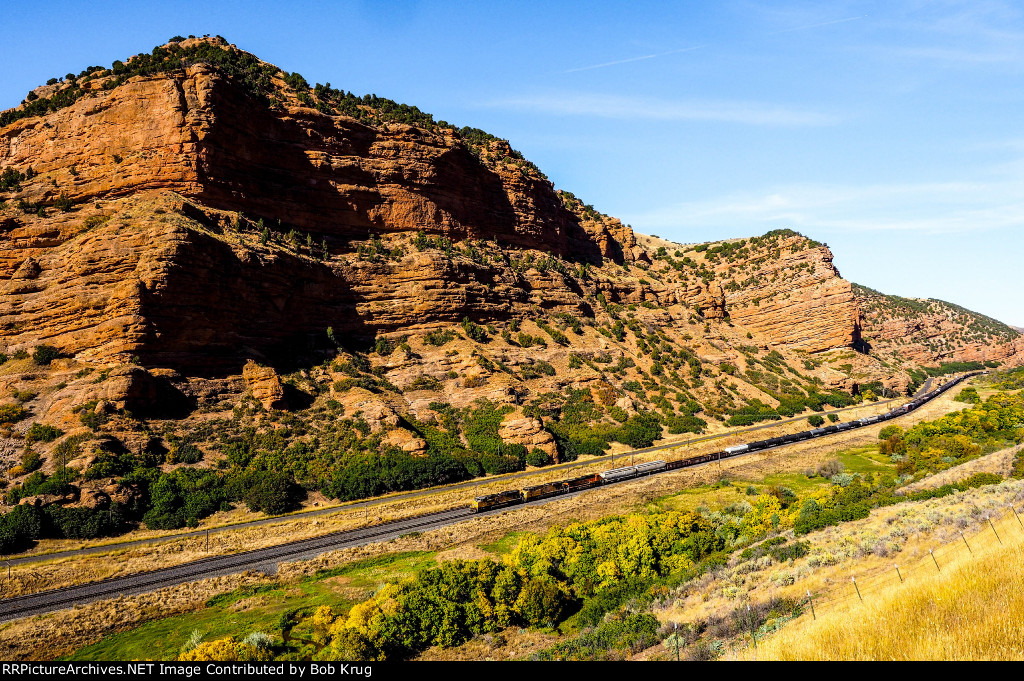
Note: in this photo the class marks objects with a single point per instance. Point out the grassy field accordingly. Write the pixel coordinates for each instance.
(265, 608)
(859, 459)
(973, 609)
(505, 544)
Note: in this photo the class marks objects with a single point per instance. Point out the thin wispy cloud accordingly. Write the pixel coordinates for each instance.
(641, 108)
(818, 25)
(968, 33)
(927, 208)
(656, 55)
(633, 59)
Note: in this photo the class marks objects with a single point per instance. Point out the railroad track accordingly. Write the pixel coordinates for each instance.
(266, 559)
(415, 494)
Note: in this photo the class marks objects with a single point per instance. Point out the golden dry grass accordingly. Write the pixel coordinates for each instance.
(509, 644)
(865, 549)
(1000, 463)
(972, 610)
(73, 628)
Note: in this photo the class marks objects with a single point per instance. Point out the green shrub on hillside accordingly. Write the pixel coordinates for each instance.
(41, 432)
(538, 458)
(968, 395)
(12, 413)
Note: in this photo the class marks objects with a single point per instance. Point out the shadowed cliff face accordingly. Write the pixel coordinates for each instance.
(175, 284)
(194, 132)
(172, 177)
(159, 278)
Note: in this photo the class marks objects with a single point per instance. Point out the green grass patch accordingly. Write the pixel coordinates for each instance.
(798, 482)
(262, 608)
(505, 544)
(713, 497)
(862, 460)
(865, 460)
(371, 572)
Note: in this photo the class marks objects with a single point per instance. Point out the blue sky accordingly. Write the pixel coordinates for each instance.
(893, 131)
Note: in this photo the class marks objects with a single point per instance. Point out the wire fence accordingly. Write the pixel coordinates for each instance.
(992, 532)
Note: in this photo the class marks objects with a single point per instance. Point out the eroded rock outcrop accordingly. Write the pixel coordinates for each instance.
(799, 300)
(196, 132)
(528, 432)
(264, 384)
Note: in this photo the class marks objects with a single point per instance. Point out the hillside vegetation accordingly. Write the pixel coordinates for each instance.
(610, 588)
(415, 409)
(467, 350)
(971, 610)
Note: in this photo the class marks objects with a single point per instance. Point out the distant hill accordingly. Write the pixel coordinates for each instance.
(926, 332)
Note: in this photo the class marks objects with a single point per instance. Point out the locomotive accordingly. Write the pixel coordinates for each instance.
(560, 487)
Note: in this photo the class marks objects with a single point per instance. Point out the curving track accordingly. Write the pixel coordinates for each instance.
(414, 494)
(266, 559)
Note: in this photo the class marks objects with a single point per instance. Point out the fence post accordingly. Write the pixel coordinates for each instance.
(898, 572)
(1017, 516)
(994, 529)
(854, 580)
(933, 558)
(753, 632)
(965, 542)
(811, 601)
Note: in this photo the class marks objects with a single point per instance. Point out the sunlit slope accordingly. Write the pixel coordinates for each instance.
(972, 610)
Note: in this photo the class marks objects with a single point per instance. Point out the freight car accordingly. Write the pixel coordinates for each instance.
(551, 489)
(650, 468)
(618, 474)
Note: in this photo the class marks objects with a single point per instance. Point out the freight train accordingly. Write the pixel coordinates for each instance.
(552, 489)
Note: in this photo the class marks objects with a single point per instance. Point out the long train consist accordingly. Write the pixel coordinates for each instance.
(551, 489)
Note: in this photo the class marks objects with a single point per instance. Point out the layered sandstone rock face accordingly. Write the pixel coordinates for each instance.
(785, 291)
(165, 280)
(932, 332)
(154, 278)
(174, 176)
(198, 134)
(800, 301)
